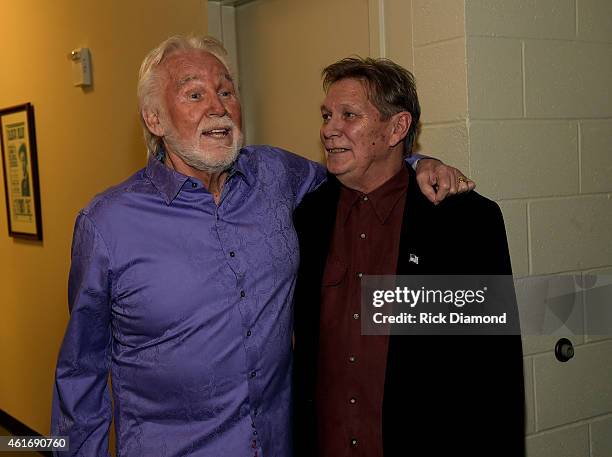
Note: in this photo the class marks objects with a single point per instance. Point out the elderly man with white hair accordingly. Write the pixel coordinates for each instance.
(182, 279)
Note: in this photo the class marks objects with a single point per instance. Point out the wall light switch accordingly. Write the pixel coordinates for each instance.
(81, 67)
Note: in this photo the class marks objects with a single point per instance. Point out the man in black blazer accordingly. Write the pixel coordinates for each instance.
(393, 396)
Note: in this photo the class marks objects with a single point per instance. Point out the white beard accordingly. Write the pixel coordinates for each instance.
(191, 153)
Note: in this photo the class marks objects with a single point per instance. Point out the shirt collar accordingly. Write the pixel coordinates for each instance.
(382, 200)
(244, 168)
(169, 182)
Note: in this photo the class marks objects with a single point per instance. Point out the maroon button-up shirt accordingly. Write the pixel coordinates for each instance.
(351, 371)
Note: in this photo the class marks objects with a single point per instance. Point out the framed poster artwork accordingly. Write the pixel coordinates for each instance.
(20, 168)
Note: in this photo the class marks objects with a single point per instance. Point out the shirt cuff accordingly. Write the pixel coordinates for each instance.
(413, 159)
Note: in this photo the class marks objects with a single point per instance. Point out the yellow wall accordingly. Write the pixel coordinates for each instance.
(282, 46)
(86, 142)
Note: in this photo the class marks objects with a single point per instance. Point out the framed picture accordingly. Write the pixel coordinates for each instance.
(20, 167)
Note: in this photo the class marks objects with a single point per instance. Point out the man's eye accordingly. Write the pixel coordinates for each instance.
(195, 96)
(225, 93)
(326, 117)
(349, 115)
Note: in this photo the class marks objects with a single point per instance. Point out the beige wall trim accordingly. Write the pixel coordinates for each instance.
(376, 18)
(222, 26)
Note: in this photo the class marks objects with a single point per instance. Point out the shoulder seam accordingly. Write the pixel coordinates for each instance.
(99, 233)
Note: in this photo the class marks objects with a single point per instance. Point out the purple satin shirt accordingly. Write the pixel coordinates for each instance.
(189, 305)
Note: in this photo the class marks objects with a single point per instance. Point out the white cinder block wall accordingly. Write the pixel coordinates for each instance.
(519, 94)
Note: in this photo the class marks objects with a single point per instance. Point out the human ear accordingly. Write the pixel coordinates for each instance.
(151, 120)
(401, 124)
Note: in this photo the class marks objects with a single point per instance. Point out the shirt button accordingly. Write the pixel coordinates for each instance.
(194, 185)
(359, 275)
(249, 333)
(232, 254)
(363, 235)
(356, 316)
(253, 374)
(352, 359)
(242, 294)
(365, 198)
(354, 442)
(352, 401)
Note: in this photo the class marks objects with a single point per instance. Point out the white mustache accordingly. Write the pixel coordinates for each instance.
(228, 124)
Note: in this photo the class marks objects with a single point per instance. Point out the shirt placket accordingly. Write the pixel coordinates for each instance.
(358, 269)
(246, 304)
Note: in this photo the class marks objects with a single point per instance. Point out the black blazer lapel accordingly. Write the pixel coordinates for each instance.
(314, 222)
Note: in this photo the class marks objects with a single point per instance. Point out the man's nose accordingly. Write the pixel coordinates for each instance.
(216, 107)
(330, 128)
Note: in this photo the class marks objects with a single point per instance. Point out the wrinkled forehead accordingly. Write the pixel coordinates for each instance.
(184, 66)
(348, 90)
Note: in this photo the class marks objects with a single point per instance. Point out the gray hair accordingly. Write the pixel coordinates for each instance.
(389, 86)
(149, 81)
